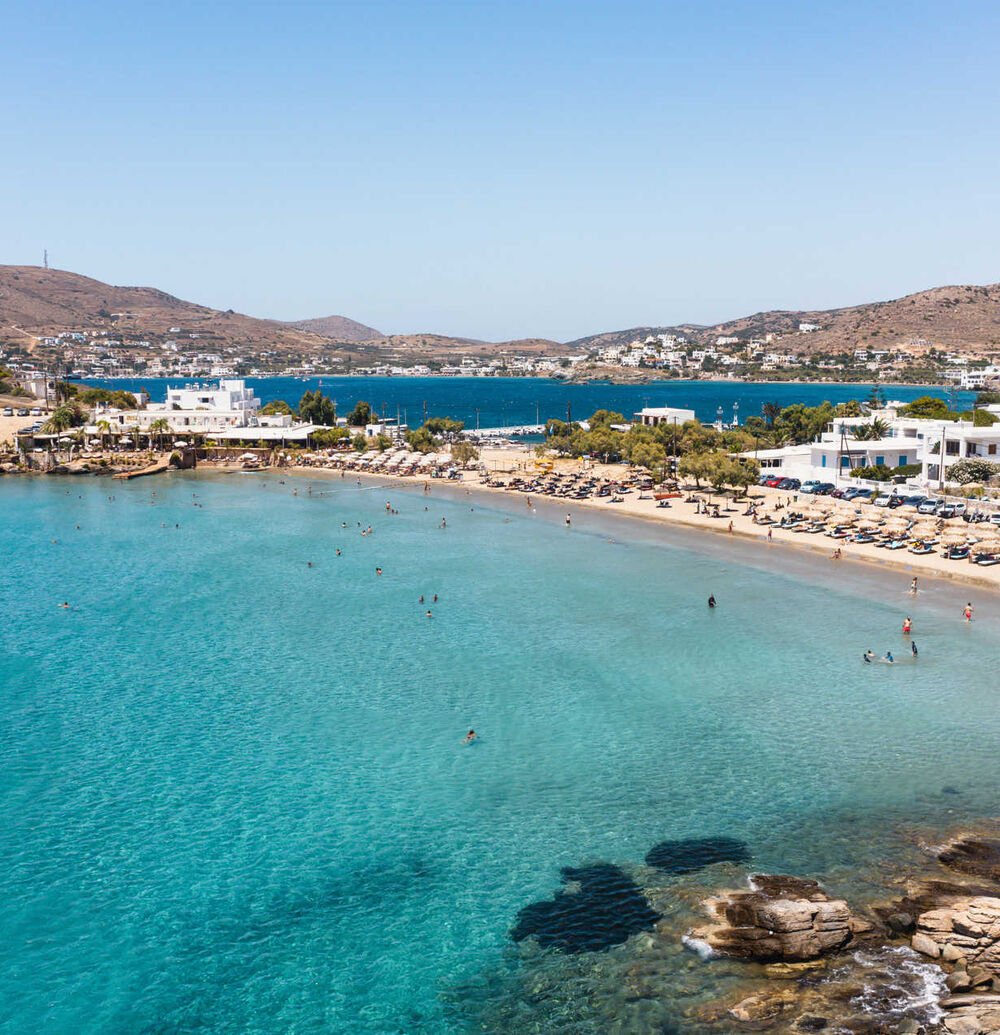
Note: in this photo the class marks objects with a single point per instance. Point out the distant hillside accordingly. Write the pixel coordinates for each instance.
(36, 301)
(960, 317)
(339, 328)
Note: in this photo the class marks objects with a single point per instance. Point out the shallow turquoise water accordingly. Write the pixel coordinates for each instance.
(234, 794)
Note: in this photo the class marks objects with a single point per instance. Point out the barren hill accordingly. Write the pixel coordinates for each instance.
(339, 328)
(36, 301)
(961, 317)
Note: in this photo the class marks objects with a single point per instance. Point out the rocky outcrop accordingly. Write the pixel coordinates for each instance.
(780, 918)
(967, 929)
(978, 857)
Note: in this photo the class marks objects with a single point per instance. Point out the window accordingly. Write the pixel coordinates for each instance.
(902, 460)
(951, 448)
(880, 461)
(822, 460)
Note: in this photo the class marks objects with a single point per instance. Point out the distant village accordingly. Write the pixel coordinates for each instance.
(182, 354)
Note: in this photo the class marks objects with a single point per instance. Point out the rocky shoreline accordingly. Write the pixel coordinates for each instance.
(660, 949)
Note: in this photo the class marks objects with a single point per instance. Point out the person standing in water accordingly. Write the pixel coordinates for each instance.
(711, 600)
(913, 648)
(913, 585)
(470, 737)
(907, 625)
(967, 613)
(868, 655)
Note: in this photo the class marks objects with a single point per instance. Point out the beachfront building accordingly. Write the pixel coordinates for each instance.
(195, 409)
(655, 415)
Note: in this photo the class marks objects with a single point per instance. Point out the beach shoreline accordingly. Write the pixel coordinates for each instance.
(678, 516)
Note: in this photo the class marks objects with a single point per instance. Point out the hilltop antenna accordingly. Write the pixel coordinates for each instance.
(45, 259)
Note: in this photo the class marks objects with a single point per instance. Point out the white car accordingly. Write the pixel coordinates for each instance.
(882, 500)
(8, 411)
(36, 412)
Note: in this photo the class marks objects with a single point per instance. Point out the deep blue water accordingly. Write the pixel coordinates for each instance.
(513, 401)
(234, 794)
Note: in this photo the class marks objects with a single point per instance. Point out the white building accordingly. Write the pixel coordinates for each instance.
(195, 409)
(654, 415)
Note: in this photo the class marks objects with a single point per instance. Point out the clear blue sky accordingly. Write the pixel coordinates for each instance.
(505, 169)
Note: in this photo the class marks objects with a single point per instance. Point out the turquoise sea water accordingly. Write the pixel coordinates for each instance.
(234, 793)
(509, 401)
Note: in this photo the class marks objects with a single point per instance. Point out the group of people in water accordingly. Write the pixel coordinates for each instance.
(869, 655)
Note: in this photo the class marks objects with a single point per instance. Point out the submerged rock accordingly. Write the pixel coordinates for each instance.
(693, 854)
(782, 918)
(600, 907)
(979, 857)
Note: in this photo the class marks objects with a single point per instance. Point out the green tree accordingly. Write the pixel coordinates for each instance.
(926, 406)
(277, 408)
(360, 415)
(605, 418)
(316, 408)
(444, 426)
(325, 438)
(464, 452)
(62, 418)
(876, 428)
(770, 411)
(696, 466)
(421, 440)
(650, 455)
(158, 429)
(360, 442)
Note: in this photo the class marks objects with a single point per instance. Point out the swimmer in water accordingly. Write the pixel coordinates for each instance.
(378, 571)
(907, 625)
(913, 648)
(889, 658)
(967, 613)
(711, 600)
(421, 600)
(338, 552)
(569, 521)
(428, 615)
(868, 655)
(469, 737)
(64, 605)
(913, 585)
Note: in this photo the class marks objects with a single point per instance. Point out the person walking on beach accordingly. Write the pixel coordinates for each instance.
(967, 613)
(907, 625)
(770, 534)
(730, 528)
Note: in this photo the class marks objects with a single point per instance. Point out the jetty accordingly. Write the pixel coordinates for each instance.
(154, 468)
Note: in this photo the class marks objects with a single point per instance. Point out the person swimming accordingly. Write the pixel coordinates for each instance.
(889, 659)
(470, 737)
(868, 656)
(711, 600)
(428, 615)
(378, 571)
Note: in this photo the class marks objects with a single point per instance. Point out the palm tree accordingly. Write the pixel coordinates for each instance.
(104, 427)
(62, 418)
(874, 429)
(159, 428)
(771, 411)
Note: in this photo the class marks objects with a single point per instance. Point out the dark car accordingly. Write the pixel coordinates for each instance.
(789, 483)
(824, 489)
(914, 501)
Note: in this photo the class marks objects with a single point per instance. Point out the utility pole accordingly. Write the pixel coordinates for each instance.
(45, 260)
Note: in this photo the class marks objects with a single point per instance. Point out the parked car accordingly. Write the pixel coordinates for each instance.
(789, 483)
(854, 493)
(895, 500)
(22, 412)
(950, 510)
(913, 501)
(35, 412)
(809, 485)
(882, 499)
(929, 506)
(994, 519)
(774, 481)
(8, 412)
(823, 489)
